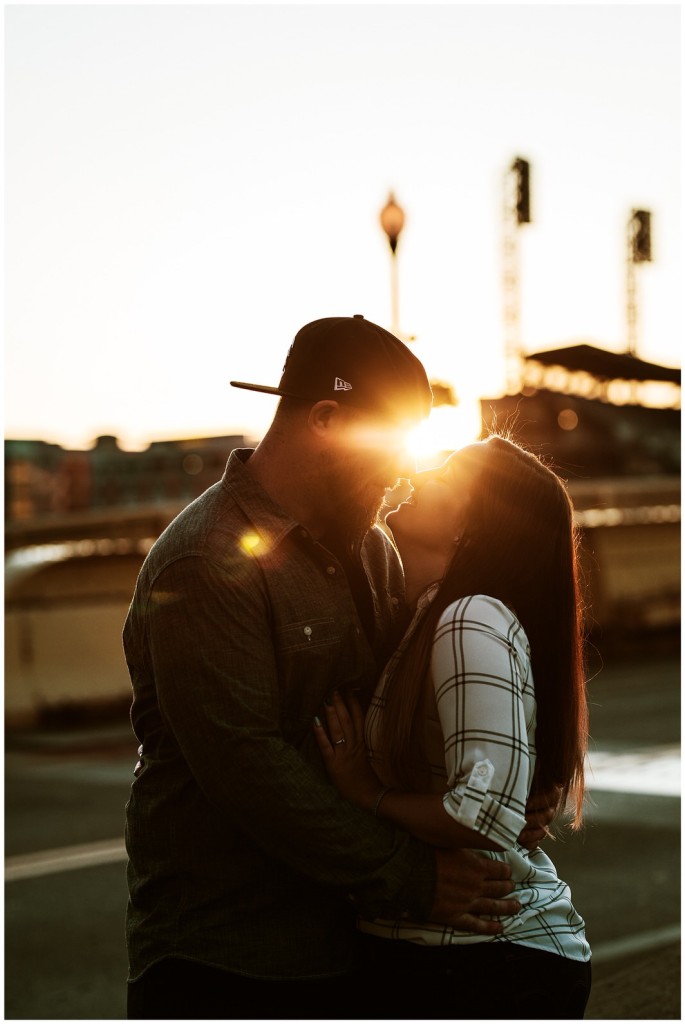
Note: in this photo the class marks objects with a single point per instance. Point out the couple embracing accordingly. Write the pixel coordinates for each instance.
(351, 745)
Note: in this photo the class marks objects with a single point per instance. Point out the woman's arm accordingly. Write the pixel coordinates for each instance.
(486, 705)
(479, 680)
(422, 814)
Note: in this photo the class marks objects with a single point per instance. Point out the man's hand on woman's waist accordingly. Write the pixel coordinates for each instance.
(469, 885)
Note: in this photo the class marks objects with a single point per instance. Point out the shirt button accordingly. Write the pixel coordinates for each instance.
(307, 631)
(331, 570)
(482, 770)
(395, 601)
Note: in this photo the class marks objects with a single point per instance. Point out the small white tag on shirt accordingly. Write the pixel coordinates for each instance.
(476, 788)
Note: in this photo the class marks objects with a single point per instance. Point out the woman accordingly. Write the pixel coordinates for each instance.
(482, 705)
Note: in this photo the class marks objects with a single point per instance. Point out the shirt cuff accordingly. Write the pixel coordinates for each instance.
(471, 805)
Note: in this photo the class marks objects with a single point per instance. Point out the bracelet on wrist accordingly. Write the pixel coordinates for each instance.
(382, 793)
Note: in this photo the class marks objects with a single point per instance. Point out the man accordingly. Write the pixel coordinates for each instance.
(266, 594)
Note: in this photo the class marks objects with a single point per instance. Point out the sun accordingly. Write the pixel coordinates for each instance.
(447, 428)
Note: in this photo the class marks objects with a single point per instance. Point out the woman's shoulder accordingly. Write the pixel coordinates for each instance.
(478, 606)
(480, 611)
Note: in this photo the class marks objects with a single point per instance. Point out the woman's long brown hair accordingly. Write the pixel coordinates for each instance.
(519, 546)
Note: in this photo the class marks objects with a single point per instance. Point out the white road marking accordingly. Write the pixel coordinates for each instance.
(640, 943)
(652, 770)
(66, 858)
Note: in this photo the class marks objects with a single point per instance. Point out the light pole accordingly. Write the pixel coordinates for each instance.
(392, 222)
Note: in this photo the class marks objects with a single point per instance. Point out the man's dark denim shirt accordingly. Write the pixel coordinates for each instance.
(241, 853)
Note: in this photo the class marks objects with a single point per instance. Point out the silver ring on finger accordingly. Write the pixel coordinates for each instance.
(338, 742)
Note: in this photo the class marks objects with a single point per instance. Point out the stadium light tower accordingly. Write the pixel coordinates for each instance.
(516, 211)
(638, 250)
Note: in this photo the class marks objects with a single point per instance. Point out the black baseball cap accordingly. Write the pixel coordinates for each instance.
(355, 362)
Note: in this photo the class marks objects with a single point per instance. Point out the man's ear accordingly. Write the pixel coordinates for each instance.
(324, 417)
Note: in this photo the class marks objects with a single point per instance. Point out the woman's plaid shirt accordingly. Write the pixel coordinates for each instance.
(480, 731)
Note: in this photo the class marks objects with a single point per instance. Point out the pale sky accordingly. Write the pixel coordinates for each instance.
(186, 186)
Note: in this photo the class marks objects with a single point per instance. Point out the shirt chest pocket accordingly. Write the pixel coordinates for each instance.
(308, 635)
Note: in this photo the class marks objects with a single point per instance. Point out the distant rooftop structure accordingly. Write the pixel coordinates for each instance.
(605, 365)
(617, 378)
(593, 413)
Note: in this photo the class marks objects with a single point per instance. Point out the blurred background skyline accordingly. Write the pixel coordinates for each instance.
(187, 186)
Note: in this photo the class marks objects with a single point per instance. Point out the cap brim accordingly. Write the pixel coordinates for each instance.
(255, 387)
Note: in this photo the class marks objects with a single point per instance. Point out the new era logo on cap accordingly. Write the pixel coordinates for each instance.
(341, 385)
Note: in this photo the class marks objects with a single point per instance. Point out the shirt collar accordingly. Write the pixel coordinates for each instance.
(271, 522)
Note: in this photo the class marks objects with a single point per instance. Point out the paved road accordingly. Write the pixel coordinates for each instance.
(66, 893)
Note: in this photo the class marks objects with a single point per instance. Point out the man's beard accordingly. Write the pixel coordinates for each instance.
(353, 512)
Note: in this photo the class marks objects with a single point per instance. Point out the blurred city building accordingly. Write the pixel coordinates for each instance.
(43, 479)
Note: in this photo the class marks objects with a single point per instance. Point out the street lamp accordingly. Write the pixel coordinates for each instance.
(392, 222)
